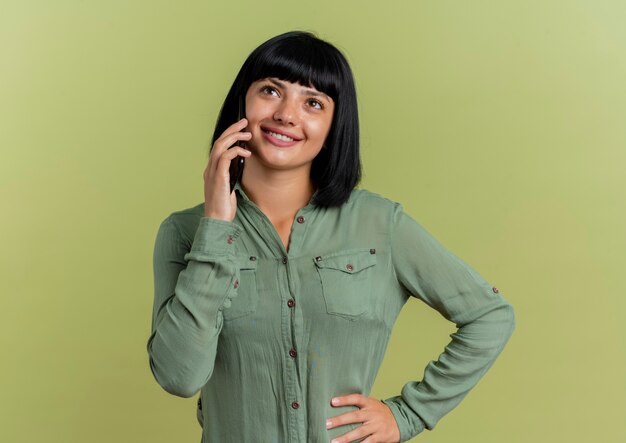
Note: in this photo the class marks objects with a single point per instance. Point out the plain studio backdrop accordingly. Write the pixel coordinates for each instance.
(498, 125)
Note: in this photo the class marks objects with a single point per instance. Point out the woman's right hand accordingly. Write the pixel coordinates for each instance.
(219, 202)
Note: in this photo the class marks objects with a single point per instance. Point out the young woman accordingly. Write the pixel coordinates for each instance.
(280, 296)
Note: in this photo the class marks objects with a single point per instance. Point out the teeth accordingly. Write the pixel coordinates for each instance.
(280, 136)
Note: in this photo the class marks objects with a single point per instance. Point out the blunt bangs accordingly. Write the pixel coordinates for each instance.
(301, 57)
(297, 60)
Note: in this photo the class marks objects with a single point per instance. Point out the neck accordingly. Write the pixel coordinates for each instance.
(279, 194)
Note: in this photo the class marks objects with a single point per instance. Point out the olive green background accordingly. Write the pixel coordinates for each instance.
(498, 125)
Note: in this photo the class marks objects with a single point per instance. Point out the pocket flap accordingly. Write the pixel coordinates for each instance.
(247, 261)
(347, 261)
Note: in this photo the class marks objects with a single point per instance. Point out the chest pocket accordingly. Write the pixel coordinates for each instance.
(247, 298)
(346, 278)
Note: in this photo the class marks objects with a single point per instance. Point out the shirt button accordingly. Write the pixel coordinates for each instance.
(229, 240)
(372, 251)
(300, 219)
(349, 267)
(494, 289)
(236, 284)
(291, 303)
(284, 260)
(318, 258)
(253, 258)
(295, 405)
(293, 352)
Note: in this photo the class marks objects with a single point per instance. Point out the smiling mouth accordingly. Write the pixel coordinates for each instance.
(277, 136)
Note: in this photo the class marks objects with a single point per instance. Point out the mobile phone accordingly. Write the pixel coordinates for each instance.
(237, 164)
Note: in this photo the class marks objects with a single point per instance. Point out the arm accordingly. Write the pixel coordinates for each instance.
(190, 290)
(485, 321)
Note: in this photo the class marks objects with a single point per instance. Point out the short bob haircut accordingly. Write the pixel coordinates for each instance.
(301, 57)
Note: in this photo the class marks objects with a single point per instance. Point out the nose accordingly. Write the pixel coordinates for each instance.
(286, 113)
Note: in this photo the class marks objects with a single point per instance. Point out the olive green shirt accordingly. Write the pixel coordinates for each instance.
(268, 337)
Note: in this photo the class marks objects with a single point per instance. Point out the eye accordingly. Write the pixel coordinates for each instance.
(267, 89)
(316, 104)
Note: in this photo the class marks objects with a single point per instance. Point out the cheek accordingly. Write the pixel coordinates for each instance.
(251, 106)
(254, 117)
(252, 112)
(256, 114)
(321, 129)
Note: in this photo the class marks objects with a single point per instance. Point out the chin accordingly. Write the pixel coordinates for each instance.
(279, 164)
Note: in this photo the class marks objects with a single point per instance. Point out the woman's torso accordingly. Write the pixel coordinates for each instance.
(305, 325)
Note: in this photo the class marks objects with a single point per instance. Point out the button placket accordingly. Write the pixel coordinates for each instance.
(291, 289)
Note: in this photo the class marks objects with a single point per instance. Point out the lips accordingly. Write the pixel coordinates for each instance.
(280, 131)
(277, 140)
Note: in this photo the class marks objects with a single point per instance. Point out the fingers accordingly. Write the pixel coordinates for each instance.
(225, 146)
(231, 135)
(222, 144)
(220, 164)
(224, 162)
(377, 421)
(346, 418)
(217, 201)
(350, 399)
(237, 126)
(356, 434)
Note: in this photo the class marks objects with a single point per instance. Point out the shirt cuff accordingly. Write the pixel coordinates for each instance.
(215, 237)
(408, 422)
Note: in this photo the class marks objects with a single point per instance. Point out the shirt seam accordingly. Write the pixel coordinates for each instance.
(391, 232)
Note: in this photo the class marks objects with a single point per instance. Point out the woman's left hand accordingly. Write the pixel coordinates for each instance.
(379, 424)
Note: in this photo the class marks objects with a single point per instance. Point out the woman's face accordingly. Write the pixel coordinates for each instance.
(289, 123)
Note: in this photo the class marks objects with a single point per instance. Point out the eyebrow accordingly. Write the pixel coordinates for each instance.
(303, 91)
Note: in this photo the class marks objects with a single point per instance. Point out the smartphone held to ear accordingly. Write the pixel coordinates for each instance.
(237, 164)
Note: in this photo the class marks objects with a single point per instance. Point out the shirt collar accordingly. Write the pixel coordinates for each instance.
(238, 189)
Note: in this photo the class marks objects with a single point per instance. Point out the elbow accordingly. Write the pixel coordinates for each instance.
(504, 323)
(182, 387)
(177, 387)
(511, 319)
(170, 375)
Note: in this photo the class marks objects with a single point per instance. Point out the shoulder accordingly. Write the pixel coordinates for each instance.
(363, 199)
(185, 221)
(369, 206)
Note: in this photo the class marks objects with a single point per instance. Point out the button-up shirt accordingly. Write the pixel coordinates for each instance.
(269, 336)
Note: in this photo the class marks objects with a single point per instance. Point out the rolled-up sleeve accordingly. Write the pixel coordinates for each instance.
(191, 288)
(484, 318)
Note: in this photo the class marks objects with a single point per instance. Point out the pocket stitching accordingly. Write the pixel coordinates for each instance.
(244, 264)
(363, 256)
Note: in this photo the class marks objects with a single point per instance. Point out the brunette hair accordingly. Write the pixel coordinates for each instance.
(301, 57)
